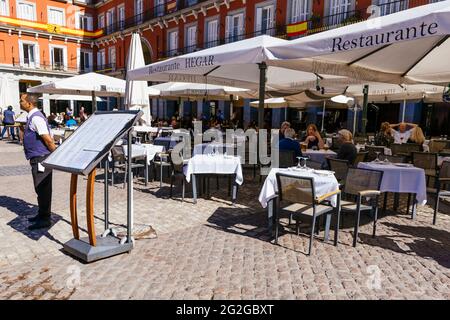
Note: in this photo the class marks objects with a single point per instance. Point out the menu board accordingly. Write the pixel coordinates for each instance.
(87, 146)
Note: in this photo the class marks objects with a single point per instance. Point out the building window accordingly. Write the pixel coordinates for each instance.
(4, 8)
(299, 10)
(138, 11)
(58, 58)
(121, 16)
(172, 43)
(339, 11)
(160, 6)
(110, 20)
(101, 59)
(85, 61)
(234, 27)
(26, 10)
(212, 33)
(29, 54)
(101, 21)
(191, 38)
(391, 6)
(112, 58)
(265, 19)
(83, 22)
(55, 16)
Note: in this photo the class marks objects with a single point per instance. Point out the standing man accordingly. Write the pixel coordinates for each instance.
(8, 119)
(38, 144)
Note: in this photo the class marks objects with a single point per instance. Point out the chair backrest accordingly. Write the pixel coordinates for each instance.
(286, 158)
(425, 160)
(362, 179)
(118, 154)
(340, 168)
(444, 171)
(437, 145)
(372, 152)
(394, 159)
(295, 189)
(335, 143)
(360, 157)
(314, 164)
(405, 149)
(360, 140)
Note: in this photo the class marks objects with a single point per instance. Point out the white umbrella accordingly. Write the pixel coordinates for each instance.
(272, 103)
(136, 96)
(239, 64)
(93, 84)
(4, 92)
(69, 97)
(192, 90)
(405, 47)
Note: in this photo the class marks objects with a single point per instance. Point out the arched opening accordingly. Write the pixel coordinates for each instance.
(146, 49)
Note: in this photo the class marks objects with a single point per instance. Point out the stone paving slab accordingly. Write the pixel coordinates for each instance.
(214, 250)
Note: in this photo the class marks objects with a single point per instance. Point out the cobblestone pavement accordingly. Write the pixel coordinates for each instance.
(211, 250)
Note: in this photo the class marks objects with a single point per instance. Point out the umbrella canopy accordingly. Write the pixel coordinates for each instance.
(195, 90)
(70, 97)
(409, 46)
(235, 64)
(272, 103)
(4, 92)
(136, 96)
(85, 85)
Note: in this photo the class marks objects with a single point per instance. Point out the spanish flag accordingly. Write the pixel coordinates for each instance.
(296, 29)
(171, 5)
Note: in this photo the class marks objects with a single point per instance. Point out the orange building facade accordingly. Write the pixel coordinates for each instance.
(42, 40)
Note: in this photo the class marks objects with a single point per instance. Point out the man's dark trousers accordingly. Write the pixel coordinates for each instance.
(43, 187)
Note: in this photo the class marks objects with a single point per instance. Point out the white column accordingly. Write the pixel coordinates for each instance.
(404, 110)
(46, 103)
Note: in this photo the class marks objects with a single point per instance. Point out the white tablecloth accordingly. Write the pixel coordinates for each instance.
(323, 184)
(143, 150)
(220, 164)
(207, 148)
(145, 129)
(401, 179)
(319, 155)
(58, 132)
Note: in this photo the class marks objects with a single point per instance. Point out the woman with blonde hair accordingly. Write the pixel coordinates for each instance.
(313, 138)
(384, 136)
(347, 151)
(417, 136)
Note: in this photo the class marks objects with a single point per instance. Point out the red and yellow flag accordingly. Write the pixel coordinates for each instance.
(296, 29)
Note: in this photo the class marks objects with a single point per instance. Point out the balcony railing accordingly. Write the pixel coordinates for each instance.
(104, 68)
(33, 65)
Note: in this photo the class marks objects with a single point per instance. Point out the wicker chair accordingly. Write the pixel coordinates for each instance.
(427, 161)
(178, 174)
(335, 143)
(437, 146)
(340, 168)
(299, 194)
(394, 159)
(442, 187)
(286, 158)
(362, 183)
(405, 149)
(360, 157)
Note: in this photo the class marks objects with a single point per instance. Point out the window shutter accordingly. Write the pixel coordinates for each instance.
(258, 19)
(228, 26)
(65, 58)
(37, 55)
(21, 53)
(90, 25)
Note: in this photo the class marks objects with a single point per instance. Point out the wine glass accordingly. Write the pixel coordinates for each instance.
(378, 156)
(299, 162)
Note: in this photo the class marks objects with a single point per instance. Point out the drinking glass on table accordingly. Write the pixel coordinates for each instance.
(378, 156)
(326, 147)
(304, 146)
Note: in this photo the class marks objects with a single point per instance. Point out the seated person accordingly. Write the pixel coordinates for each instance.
(283, 127)
(313, 138)
(402, 135)
(417, 136)
(384, 136)
(347, 151)
(71, 122)
(288, 143)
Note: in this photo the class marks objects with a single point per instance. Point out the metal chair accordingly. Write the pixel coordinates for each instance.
(299, 194)
(119, 161)
(442, 187)
(405, 149)
(286, 158)
(427, 161)
(372, 152)
(178, 173)
(335, 143)
(362, 184)
(437, 146)
(360, 157)
(340, 168)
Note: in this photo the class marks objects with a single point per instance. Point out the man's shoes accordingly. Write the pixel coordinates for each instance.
(40, 224)
(34, 219)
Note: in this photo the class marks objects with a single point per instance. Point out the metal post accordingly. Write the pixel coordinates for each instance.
(106, 195)
(355, 113)
(262, 93)
(365, 106)
(231, 106)
(323, 114)
(403, 110)
(94, 102)
(130, 189)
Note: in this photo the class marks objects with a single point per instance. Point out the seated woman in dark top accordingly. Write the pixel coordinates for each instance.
(384, 136)
(347, 151)
(313, 138)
